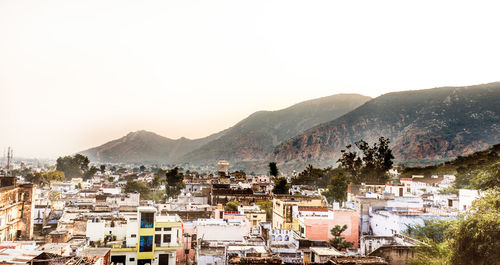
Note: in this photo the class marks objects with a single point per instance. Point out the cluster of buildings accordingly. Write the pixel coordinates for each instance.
(226, 218)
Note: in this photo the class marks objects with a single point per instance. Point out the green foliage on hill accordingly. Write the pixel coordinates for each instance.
(480, 170)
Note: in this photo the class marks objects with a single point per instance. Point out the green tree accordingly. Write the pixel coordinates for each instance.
(338, 241)
(487, 177)
(102, 168)
(433, 229)
(475, 239)
(88, 174)
(75, 167)
(314, 176)
(139, 187)
(435, 248)
(45, 178)
(174, 182)
(337, 189)
(281, 186)
(156, 182)
(273, 169)
(268, 207)
(232, 206)
(374, 164)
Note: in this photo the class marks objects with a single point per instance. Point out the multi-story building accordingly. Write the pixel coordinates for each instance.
(315, 223)
(16, 209)
(282, 208)
(150, 239)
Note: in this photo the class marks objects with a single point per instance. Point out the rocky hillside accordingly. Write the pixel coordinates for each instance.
(144, 146)
(437, 124)
(254, 137)
(251, 139)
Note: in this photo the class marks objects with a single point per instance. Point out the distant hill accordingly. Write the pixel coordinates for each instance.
(144, 146)
(435, 124)
(254, 137)
(250, 139)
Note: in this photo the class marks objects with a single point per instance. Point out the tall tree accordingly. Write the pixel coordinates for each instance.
(273, 169)
(174, 182)
(374, 164)
(337, 189)
(281, 186)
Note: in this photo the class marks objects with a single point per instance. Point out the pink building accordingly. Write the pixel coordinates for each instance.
(188, 232)
(315, 223)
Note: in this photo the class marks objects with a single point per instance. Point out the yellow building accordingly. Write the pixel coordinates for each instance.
(282, 208)
(154, 240)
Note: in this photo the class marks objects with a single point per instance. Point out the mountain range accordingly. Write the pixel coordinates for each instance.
(250, 139)
(430, 124)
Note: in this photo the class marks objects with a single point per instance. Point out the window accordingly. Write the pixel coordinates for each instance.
(158, 240)
(133, 235)
(146, 244)
(167, 229)
(157, 229)
(167, 238)
(147, 220)
(131, 259)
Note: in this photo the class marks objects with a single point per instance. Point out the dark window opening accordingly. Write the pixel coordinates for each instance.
(147, 220)
(146, 244)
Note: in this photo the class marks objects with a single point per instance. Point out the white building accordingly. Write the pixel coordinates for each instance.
(466, 197)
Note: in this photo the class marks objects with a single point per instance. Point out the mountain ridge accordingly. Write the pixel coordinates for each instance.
(144, 146)
(422, 124)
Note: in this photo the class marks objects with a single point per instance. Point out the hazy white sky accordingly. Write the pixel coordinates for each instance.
(75, 74)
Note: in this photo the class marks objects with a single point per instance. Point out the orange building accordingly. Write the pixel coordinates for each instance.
(315, 223)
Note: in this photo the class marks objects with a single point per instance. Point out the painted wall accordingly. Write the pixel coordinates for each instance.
(319, 228)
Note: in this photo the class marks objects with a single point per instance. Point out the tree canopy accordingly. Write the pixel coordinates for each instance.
(281, 186)
(471, 239)
(314, 176)
(372, 167)
(232, 206)
(475, 239)
(338, 241)
(273, 169)
(337, 189)
(174, 182)
(76, 166)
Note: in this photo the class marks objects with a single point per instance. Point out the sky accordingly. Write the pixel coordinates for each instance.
(76, 74)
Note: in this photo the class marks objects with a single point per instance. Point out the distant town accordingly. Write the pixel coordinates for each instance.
(366, 210)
